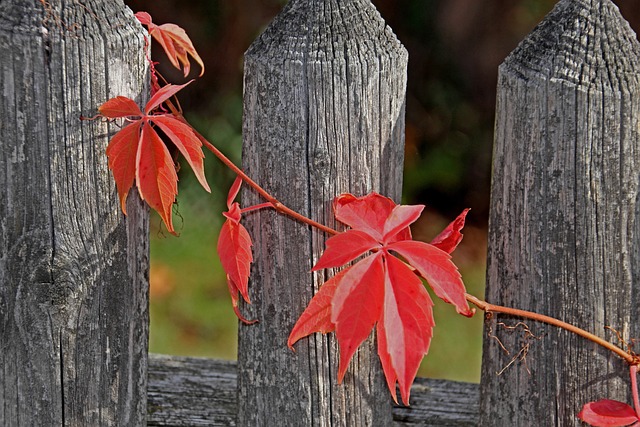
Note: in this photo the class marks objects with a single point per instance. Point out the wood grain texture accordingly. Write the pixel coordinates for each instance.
(187, 391)
(73, 270)
(564, 234)
(323, 114)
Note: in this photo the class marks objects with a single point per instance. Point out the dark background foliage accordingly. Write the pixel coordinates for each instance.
(455, 47)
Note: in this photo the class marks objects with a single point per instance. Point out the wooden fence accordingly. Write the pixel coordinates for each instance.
(323, 114)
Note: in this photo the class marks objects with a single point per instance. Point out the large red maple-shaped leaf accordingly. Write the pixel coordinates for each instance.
(234, 250)
(137, 153)
(174, 41)
(381, 288)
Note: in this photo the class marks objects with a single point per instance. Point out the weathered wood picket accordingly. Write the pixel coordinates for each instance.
(324, 114)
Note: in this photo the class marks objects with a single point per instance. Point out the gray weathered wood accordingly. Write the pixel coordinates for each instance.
(73, 271)
(564, 236)
(323, 114)
(186, 391)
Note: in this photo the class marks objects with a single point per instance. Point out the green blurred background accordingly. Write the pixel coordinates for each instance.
(455, 47)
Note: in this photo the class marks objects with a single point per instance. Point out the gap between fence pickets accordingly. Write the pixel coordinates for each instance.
(188, 391)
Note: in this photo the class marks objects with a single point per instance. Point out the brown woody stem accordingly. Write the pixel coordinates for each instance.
(268, 197)
(631, 359)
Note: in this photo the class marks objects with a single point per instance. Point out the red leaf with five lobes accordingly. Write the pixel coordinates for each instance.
(345, 247)
(156, 174)
(383, 289)
(405, 330)
(187, 143)
(608, 413)
(138, 153)
(174, 41)
(437, 268)
(122, 152)
(451, 236)
(317, 316)
(234, 250)
(120, 106)
(357, 305)
(368, 213)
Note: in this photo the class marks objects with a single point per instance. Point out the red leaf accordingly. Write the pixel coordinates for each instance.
(345, 247)
(174, 41)
(317, 316)
(451, 236)
(186, 141)
(436, 267)
(138, 153)
(405, 330)
(233, 191)
(143, 17)
(122, 152)
(356, 306)
(119, 107)
(608, 413)
(399, 219)
(233, 290)
(162, 95)
(156, 175)
(368, 213)
(381, 288)
(234, 250)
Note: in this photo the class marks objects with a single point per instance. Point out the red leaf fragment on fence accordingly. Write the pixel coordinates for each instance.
(174, 41)
(234, 250)
(138, 153)
(608, 413)
(382, 289)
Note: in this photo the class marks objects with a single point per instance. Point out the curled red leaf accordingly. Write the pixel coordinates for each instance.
(174, 41)
(449, 239)
(234, 250)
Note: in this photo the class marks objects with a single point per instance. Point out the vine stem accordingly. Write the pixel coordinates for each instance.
(251, 183)
(268, 197)
(631, 359)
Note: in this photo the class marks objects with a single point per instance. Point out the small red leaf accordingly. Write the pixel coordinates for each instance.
(156, 175)
(356, 306)
(122, 151)
(143, 17)
(119, 107)
(608, 413)
(436, 267)
(233, 290)
(162, 95)
(186, 141)
(234, 250)
(451, 236)
(233, 191)
(345, 247)
(174, 41)
(317, 316)
(368, 213)
(406, 326)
